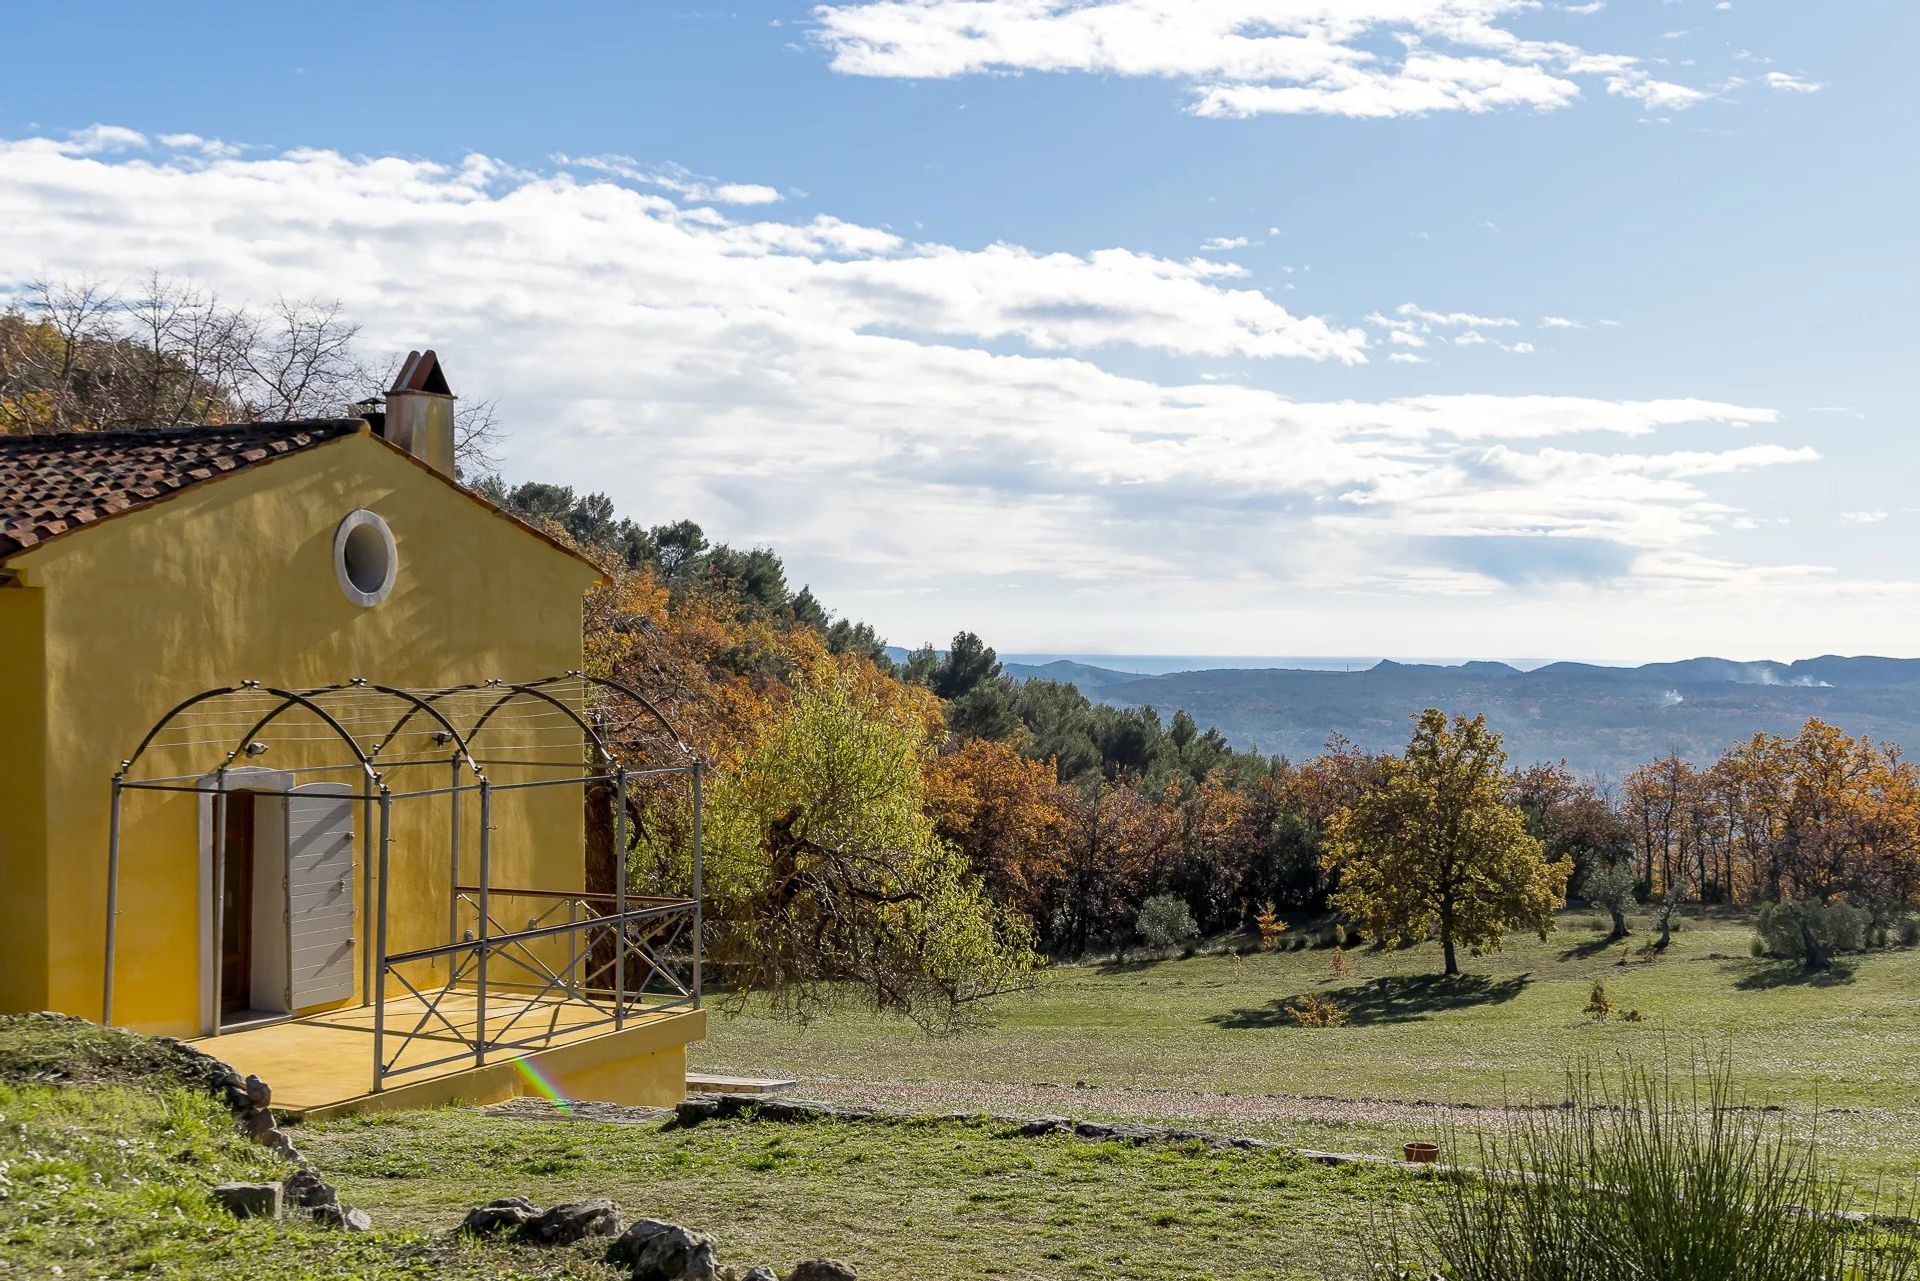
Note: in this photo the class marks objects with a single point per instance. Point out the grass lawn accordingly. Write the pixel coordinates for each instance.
(914, 1201)
(1205, 1040)
(106, 1161)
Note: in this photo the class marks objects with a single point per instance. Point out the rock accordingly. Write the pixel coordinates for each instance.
(694, 1111)
(509, 1214)
(249, 1200)
(277, 1141)
(787, 1110)
(1045, 1125)
(659, 1251)
(822, 1270)
(1118, 1133)
(574, 1221)
(259, 1093)
(256, 1123)
(758, 1272)
(343, 1217)
(308, 1190)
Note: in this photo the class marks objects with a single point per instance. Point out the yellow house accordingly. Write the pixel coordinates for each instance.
(295, 757)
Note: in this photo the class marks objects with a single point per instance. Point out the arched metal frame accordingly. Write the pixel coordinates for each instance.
(455, 727)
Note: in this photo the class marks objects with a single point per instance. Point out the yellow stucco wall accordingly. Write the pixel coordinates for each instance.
(229, 580)
(23, 862)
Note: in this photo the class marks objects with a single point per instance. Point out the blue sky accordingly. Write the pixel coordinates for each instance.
(1077, 324)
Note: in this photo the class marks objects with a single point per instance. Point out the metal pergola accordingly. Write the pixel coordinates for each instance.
(572, 730)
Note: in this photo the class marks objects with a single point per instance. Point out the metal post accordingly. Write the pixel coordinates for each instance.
(698, 880)
(486, 919)
(366, 884)
(219, 895)
(453, 877)
(380, 944)
(113, 904)
(620, 899)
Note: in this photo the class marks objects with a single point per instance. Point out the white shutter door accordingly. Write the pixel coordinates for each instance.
(320, 893)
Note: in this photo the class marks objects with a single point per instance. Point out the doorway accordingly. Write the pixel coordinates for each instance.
(243, 899)
(236, 905)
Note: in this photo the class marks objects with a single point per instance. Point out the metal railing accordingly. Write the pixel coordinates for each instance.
(579, 962)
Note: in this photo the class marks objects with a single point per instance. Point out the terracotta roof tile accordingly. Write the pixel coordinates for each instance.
(55, 483)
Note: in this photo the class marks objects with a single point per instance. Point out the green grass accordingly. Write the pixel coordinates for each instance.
(914, 1201)
(106, 1162)
(1172, 1035)
(107, 1174)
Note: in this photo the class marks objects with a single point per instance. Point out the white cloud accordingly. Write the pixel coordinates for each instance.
(1241, 57)
(1415, 312)
(1214, 244)
(1863, 518)
(892, 414)
(1560, 322)
(1652, 93)
(1412, 325)
(677, 179)
(1784, 83)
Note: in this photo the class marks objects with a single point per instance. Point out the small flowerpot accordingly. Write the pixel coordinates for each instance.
(1421, 1153)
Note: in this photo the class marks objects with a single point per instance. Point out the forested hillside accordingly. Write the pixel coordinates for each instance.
(1072, 816)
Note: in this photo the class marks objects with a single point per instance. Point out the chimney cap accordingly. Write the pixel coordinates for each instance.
(420, 371)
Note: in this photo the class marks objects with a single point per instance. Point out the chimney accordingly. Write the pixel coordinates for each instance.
(419, 416)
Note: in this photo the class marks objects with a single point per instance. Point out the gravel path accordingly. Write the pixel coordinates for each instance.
(1159, 1103)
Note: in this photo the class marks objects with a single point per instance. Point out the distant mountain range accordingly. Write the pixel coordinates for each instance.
(1604, 720)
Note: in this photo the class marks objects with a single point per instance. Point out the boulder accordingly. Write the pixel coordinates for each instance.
(1045, 1125)
(694, 1111)
(758, 1272)
(347, 1219)
(574, 1221)
(1112, 1131)
(259, 1093)
(659, 1251)
(308, 1190)
(509, 1214)
(822, 1270)
(249, 1200)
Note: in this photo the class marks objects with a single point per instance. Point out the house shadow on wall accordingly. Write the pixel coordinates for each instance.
(1397, 998)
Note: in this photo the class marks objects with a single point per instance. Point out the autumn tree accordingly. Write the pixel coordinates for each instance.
(1001, 810)
(1439, 847)
(825, 877)
(1573, 817)
(1114, 837)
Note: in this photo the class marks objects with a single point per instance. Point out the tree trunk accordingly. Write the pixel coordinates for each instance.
(1813, 953)
(1446, 944)
(1619, 922)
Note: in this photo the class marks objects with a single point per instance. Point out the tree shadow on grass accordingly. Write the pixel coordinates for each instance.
(1592, 947)
(1399, 998)
(1761, 976)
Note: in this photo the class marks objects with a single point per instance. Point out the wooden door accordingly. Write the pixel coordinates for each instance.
(236, 906)
(320, 857)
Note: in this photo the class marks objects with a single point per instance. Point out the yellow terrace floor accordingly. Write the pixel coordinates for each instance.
(322, 1065)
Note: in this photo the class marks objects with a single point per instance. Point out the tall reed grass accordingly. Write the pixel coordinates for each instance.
(1643, 1176)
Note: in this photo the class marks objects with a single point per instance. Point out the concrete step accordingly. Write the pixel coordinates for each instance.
(703, 1083)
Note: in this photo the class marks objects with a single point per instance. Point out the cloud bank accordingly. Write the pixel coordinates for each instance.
(925, 430)
(1365, 59)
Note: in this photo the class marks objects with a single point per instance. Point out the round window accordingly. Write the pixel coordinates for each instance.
(364, 558)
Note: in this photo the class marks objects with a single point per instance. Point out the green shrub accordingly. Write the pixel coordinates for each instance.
(1639, 1177)
(1811, 932)
(1610, 889)
(1907, 931)
(1165, 921)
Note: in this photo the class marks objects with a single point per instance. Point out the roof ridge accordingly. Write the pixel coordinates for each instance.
(118, 435)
